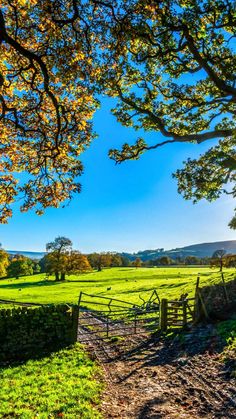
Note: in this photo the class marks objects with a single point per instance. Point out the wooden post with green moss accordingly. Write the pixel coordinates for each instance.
(163, 322)
(184, 313)
(225, 289)
(197, 302)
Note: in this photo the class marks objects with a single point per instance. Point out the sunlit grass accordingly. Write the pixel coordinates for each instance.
(125, 283)
(63, 385)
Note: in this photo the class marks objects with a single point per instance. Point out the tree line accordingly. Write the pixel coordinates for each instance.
(62, 260)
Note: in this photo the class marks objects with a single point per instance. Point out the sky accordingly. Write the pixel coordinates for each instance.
(128, 207)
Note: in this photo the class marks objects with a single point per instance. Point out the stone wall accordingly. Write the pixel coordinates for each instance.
(217, 300)
(27, 332)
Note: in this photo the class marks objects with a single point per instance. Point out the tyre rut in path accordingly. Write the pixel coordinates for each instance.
(159, 378)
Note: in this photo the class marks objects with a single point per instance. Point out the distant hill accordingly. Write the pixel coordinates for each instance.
(200, 250)
(31, 255)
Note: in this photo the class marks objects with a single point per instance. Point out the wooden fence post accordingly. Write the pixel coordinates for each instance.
(203, 305)
(164, 306)
(225, 289)
(184, 313)
(196, 302)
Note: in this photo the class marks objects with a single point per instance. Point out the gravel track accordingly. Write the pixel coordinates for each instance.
(162, 378)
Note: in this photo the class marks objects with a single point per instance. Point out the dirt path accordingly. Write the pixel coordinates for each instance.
(160, 378)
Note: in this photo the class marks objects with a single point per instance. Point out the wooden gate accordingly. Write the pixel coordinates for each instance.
(103, 317)
(177, 314)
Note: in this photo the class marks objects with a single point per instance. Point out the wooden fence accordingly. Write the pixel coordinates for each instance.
(177, 314)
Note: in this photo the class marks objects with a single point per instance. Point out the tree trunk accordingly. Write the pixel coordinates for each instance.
(57, 276)
(63, 276)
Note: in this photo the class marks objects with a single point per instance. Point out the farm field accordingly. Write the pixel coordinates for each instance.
(68, 383)
(124, 283)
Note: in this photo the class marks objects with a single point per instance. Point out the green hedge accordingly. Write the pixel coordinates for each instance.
(27, 332)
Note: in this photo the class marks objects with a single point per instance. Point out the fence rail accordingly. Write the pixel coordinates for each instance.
(104, 317)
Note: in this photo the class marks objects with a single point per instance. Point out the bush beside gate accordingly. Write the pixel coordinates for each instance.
(26, 332)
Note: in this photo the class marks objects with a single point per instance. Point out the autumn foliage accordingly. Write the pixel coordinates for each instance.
(170, 65)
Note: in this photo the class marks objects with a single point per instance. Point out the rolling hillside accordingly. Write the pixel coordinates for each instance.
(200, 250)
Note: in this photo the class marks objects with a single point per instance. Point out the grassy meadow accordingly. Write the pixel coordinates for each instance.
(125, 283)
(65, 384)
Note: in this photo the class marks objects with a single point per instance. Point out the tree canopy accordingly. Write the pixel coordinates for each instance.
(57, 256)
(173, 72)
(45, 103)
(4, 262)
(20, 266)
(62, 260)
(170, 64)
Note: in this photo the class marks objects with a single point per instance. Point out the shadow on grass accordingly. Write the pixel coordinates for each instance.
(98, 281)
(29, 284)
(147, 289)
(38, 356)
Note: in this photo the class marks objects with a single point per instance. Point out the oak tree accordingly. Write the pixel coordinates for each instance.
(77, 263)
(172, 69)
(218, 259)
(137, 263)
(57, 257)
(45, 102)
(100, 260)
(20, 266)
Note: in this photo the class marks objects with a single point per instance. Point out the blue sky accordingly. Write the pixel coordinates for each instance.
(127, 207)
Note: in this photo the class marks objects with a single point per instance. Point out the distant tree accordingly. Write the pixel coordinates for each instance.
(20, 266)
(192, 260)
(230, 261)
(206, 261)
(77, 263)
(218, 259)
(125, 261)
(93, 259)
(116, 260)
(36, 268)
(179, 260)
(100, 260)
(4, 262)
(42, 263)
(166, 260)
(137, 263)
(57, 257)
(147, 263)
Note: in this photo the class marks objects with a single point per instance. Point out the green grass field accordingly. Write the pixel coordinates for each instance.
(63, 385)
(126, 284)
(68, 384)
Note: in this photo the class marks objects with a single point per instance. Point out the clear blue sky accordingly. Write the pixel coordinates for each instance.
(127, 207)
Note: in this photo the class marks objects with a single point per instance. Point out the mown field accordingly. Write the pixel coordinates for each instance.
(124, 283)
